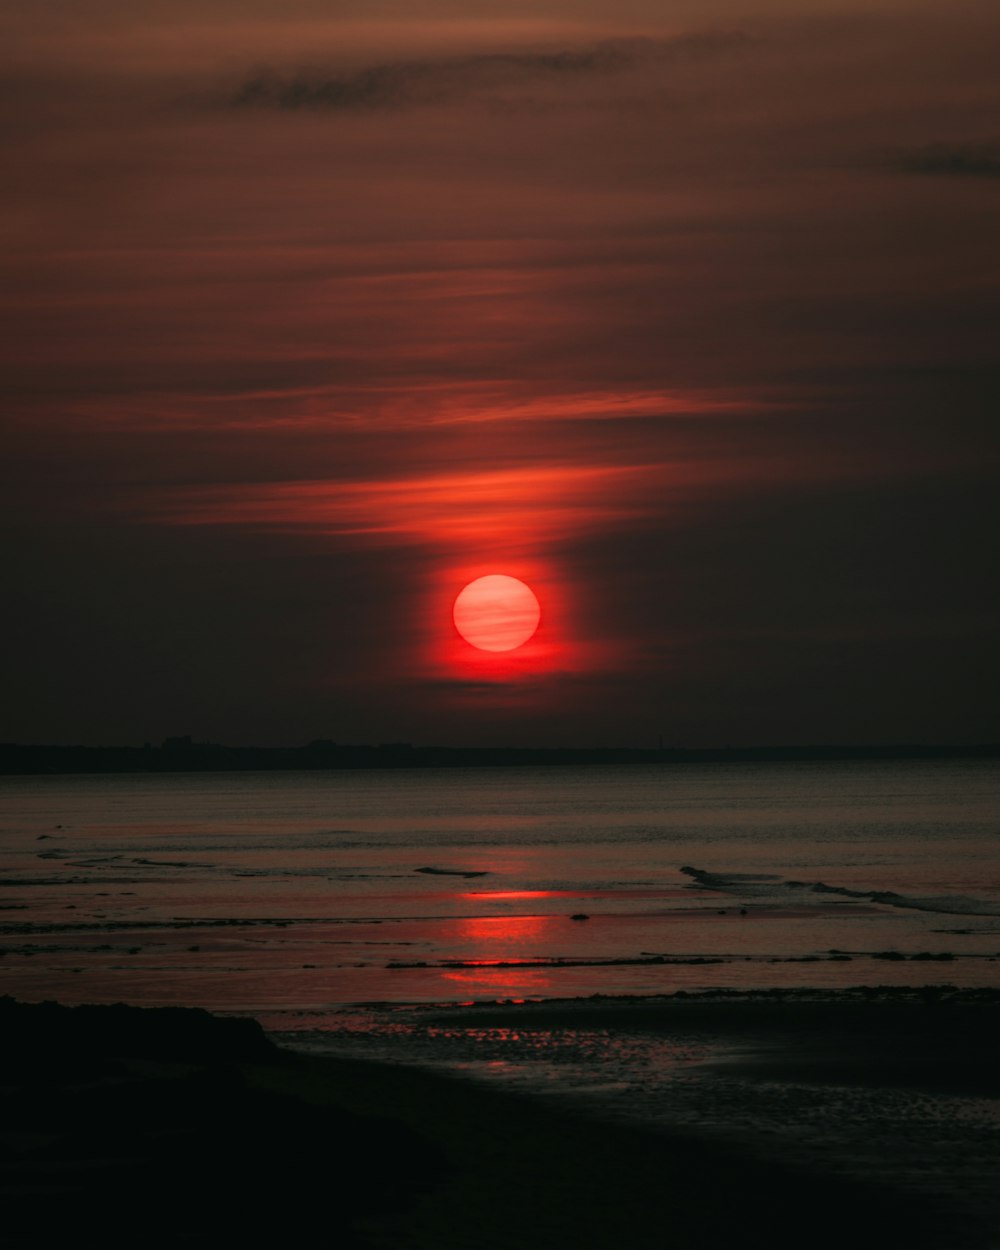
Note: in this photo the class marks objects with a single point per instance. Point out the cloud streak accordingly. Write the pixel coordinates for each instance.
(693, 332)
(533, 505)
(420, 83)
(951, 160)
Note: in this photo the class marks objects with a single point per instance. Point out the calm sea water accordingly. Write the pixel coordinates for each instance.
(287, 893)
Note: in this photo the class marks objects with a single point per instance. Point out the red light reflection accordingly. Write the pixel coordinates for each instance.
(503, 937)
(506, 983)
(492, 941)
(486, 895)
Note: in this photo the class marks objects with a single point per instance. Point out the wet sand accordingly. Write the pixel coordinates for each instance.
(936, 1038)
(890, 1087)
(121, 1130)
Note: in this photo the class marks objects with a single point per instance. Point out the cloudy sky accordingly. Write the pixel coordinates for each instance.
(684, 314)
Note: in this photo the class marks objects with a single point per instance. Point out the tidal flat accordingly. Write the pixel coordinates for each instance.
(804, 1119)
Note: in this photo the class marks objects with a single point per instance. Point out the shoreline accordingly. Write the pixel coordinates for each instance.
(187, 756)
(891, 1088)
(440, 1160)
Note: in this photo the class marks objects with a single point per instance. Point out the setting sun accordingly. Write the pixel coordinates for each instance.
(496, 613)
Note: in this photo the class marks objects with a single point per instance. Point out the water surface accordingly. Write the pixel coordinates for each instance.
(286, 892)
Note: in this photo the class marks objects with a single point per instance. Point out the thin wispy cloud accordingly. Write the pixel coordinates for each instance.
(547, 503)
(416, 83)
(951, 160)
(691, 330)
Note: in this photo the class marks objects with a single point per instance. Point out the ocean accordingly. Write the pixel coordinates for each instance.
(294, 895)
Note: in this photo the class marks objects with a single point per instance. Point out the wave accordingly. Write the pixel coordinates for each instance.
(775, 888)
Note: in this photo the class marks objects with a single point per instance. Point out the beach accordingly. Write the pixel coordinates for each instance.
(185, 1113)
(500, 746)
(707, 1006)
(877, 1087)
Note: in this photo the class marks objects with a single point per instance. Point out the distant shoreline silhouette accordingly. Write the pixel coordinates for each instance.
(183, 754)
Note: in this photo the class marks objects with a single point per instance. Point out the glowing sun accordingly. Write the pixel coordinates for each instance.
(496, 613)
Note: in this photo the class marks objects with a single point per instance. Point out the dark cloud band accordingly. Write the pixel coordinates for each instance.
(952, 160)
(407, 84)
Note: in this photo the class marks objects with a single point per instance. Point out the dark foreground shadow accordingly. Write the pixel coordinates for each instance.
(128, 1127)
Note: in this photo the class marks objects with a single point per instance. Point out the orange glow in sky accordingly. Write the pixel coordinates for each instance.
(633, 303)
(550, 619)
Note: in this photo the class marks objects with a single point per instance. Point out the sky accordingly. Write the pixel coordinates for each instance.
(683, 314)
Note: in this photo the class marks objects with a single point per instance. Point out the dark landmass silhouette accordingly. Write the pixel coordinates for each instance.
(184, 754)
